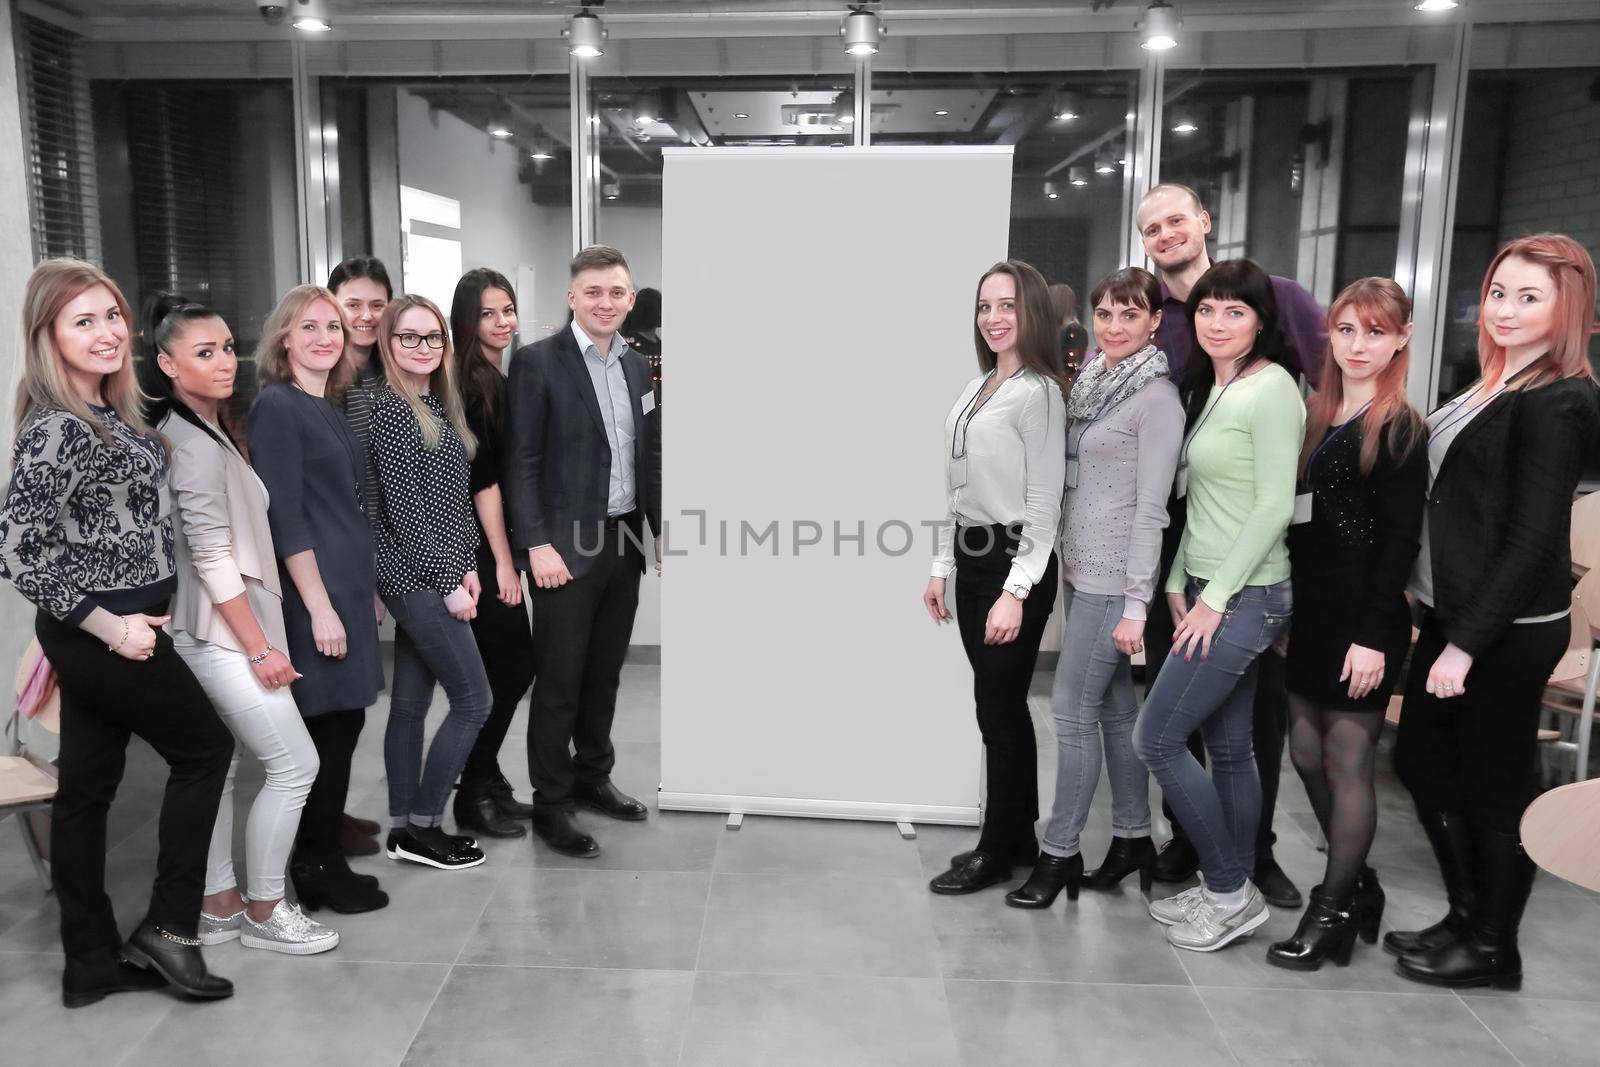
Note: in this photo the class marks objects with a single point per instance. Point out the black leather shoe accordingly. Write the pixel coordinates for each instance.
(607, 799)
(1327, 930)
(1275, 885)
(476, 810)
(1051, 874)
(333, 885)
(1177, 861)
(1126, 855)
(980, 871)
(88, 982)
(432, 847)
(1453, 848)
(509, 805)
(177, 959)
(555, 827)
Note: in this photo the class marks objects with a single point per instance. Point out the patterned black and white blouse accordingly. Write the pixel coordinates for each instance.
(87, 524)
(427, 532)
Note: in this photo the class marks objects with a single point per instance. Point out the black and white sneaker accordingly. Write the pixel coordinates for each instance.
(431, 847)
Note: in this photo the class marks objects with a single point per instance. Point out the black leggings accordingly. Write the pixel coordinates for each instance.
(106, 699)
(335, 734)
(505, 643)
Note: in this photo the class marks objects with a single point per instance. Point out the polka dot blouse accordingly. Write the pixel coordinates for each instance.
(426, 530)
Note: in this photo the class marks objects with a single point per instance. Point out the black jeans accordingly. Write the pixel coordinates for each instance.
(1475, 753)
(505, 643)
(106, 699)
(579, 646)
(335, 734)
(1001, 675)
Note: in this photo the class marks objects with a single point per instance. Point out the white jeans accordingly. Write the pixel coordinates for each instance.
(268, 724)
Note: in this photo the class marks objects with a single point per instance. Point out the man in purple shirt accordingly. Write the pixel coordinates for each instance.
(1173, 224)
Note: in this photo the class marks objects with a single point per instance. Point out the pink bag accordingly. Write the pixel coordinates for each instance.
(36, 681)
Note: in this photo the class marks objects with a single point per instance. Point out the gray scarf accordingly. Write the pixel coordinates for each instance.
(1098, 390)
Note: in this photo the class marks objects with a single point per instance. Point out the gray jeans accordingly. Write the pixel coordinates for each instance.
(1093, 697)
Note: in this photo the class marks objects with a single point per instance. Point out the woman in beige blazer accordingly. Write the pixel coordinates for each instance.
(227, 624)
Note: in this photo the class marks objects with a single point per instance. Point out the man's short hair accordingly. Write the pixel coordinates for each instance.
(1174, 187)
(599, 257)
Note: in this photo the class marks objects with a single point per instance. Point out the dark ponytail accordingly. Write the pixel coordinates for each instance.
(166, 315)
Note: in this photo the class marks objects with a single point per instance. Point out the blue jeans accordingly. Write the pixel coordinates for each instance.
(1093, 696)
(1215, 695)
(430, 644)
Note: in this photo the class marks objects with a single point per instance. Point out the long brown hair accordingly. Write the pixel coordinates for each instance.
(442, 382)
(53, 285)
(272, 353)
(1390, 418)
(1572, 272)
(481, 381)
(1036, 325)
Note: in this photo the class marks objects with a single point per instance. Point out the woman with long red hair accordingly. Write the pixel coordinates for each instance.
(1363, 478)
(1494, 581)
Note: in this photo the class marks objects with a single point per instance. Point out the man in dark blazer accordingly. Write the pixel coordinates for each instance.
(582, 481)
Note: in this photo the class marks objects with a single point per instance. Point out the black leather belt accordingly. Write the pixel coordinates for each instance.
(621, 520)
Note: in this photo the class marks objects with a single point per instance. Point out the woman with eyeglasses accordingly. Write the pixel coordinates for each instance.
(427, 572)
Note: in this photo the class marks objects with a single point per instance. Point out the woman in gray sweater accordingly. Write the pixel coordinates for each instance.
(1124, 431)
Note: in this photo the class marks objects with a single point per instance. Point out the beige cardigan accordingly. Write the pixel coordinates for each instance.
(223, 545)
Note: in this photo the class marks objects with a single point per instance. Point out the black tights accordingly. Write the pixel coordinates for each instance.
(335, 734)
(1334, 752)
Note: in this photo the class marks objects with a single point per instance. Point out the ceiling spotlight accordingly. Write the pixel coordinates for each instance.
(844, 107)
(1435, 5)
(1104, 164)
(941, 113)
(1066, 107)
(646, 109)
(861, 31)
(1184, 123)
(541, 152)
(611, 190)
(499, 131)
(1077, 176)
(741, 114)
(312, 24)
(1050, 191)
(1160, 26)
(586, 35)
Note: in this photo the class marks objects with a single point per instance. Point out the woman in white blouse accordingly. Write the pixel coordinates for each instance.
(1005, 457)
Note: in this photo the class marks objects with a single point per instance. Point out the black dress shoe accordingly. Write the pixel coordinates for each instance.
(1126, 855)
(607, 799)
(177, 959)
(1051, 874)
(1177, 861)
(980, 871)
(476, 810)
(509, 805)
(555, 827)
(333, 885)
(1275, 885)
(432, 847)
(1327, 930)
(88, 982)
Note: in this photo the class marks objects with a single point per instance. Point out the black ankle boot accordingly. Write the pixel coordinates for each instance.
(1452, 847)
(477, 812)
(509, 805)
(1177, 861)
(89, 981)
(176, 958)
(1369, 903)
(1126, 855)
(333, 885)
(1486, 953)
(1051, 874)
(1327, 930)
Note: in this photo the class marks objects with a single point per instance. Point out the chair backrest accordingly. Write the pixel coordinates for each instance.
(1586, 599)
(1559, 831)
(1585, 536)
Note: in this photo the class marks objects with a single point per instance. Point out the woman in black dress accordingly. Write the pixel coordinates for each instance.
(1358, 522)
(313, 469)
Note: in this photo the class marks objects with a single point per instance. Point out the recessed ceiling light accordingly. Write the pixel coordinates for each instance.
(941, 112)
(500, 132)
(312, 24)
(1435, 5)
(1184, 126)
(741, 115)
(540, 153)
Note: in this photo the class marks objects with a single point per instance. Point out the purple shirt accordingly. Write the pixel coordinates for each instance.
(1305, 324)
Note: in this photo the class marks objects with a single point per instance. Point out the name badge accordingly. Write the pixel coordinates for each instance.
(1302, 509)
(647, 403)
(958, 472)
(1072, 472)
(1182, 485)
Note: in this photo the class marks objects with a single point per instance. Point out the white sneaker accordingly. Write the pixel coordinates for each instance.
(1174, 910)
(1214, 925)
(215, 931)
(289, 930)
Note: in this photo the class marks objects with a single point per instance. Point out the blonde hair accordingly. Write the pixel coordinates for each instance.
(1572, 273)
(272, 354)
(53, 285)
(441, 383)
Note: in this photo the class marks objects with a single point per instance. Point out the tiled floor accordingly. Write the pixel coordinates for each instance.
(788, 942)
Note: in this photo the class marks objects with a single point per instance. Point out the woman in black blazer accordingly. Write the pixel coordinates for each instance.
(1494, 583)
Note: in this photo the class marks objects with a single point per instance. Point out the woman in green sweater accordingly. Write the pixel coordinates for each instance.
(1229, 594)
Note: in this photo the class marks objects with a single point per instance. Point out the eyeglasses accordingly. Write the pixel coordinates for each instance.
(412, 340)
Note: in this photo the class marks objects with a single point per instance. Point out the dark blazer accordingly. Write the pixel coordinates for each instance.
(1499, 511)
(557, 467)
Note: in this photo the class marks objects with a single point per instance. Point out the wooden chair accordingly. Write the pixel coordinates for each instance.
(1561, 833)
(1585, 536)
(1570, 694)
(24, 789)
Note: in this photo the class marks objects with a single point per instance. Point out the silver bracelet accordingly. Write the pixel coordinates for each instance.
(257, 659)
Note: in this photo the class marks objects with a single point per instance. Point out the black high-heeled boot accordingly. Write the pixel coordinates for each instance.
(1126, 855)
(326, 884)
(176, 958)
(477, 812)
(1486, 953)
(1453, 847)
(1051, 874)
(1369, 902)
(1327, 930)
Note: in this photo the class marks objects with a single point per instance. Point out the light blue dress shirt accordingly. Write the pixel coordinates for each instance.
(616, 410)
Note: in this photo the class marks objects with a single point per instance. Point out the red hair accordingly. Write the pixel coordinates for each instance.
(1376, 302)
(1572, 274)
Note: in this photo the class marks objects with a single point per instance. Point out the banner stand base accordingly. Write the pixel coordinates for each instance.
(871, 811)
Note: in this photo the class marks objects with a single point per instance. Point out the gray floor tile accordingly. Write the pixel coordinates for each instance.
(818, 924)
(1045, 1022)
(768, 1019)
(38, 1030)
(769, 845)
(556, 1016)
(1542, 1031)
(429, 916)
(561, 918)
(1264, 1026)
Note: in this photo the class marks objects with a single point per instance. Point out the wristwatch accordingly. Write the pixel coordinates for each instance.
(1018, 590)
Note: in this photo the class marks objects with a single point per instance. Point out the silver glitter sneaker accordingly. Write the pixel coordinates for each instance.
(215, 931)
(1213, 925)
(288, 930)
(1174, 910)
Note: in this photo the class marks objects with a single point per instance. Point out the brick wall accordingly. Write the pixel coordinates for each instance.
(1552, 170)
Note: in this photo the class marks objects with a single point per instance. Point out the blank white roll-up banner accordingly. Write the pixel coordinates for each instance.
(819, 306)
